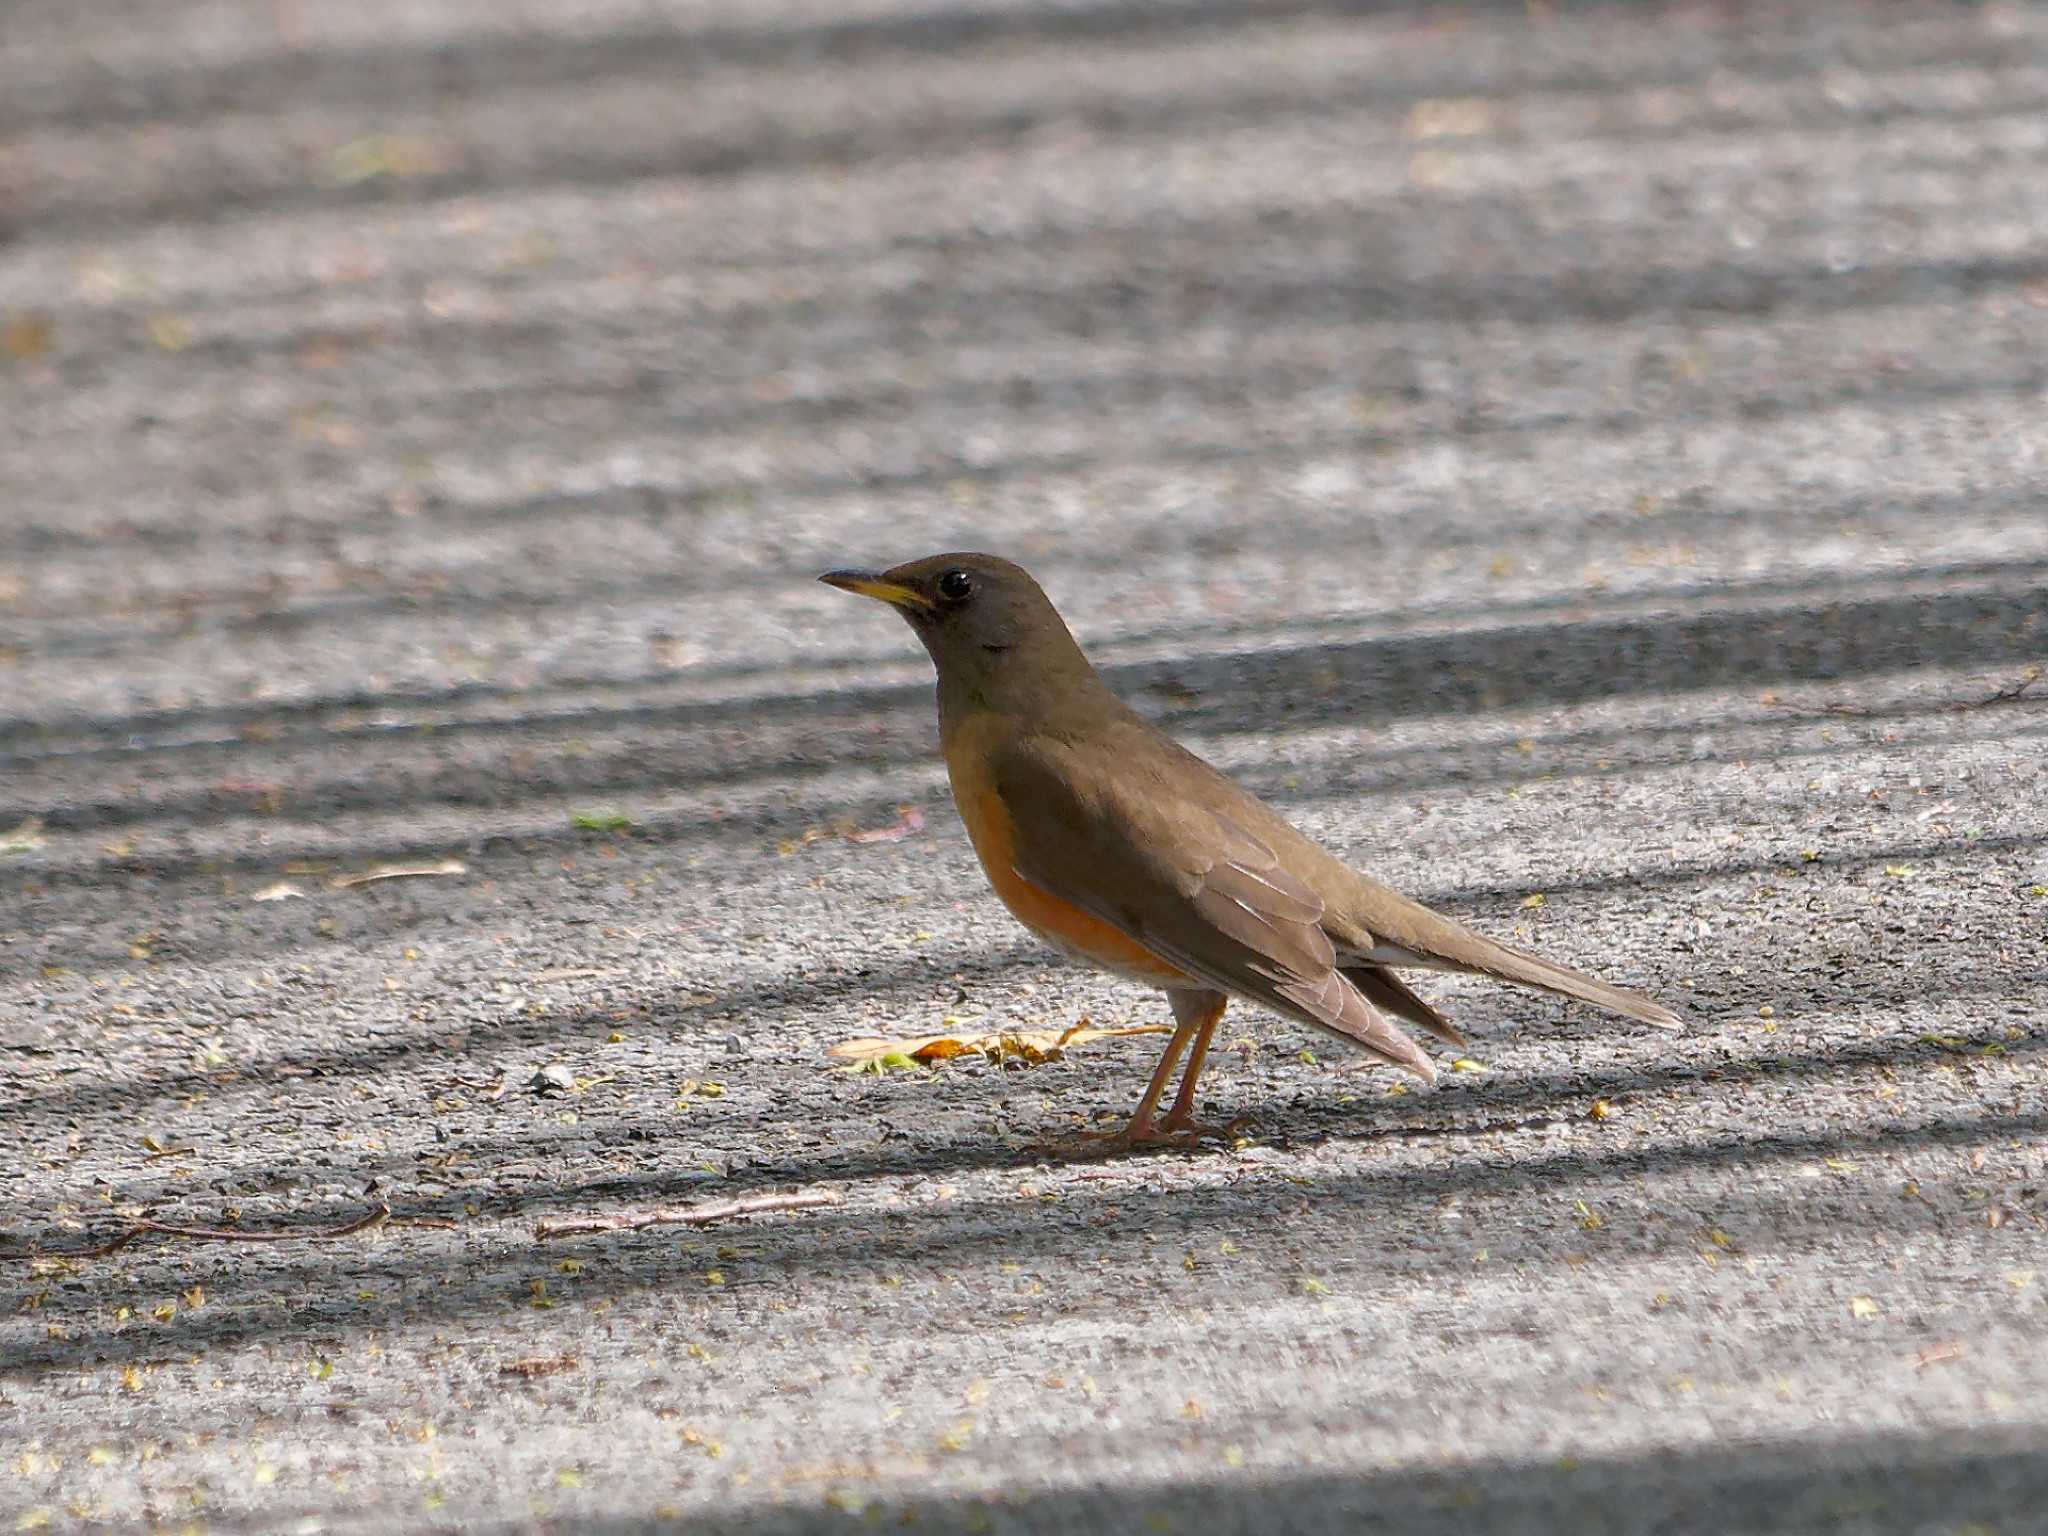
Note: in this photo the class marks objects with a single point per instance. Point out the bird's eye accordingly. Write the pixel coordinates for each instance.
(955, 585)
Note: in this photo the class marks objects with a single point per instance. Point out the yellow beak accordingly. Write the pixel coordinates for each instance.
(868, 584)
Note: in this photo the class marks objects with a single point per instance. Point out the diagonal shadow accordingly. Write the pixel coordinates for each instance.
(813, 793)
(46, 891)
(1870, 1483)
(399, 74)
(769, 146)
(1744, 635)
(1891, 1482)
(838, 1242)
(217, 726)
(1356, 287)
(85, 630)
(1525, 1101)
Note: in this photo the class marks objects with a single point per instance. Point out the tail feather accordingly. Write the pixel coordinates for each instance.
(1388, 992)
(1337, 1006)
(1535, 971)
(1399, 931)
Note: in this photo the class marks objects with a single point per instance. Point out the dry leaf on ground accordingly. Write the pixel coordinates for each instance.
(1030, 1046)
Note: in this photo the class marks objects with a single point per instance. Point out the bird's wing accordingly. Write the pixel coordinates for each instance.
(1186, 879)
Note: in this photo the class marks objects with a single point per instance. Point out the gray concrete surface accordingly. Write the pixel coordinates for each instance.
(1594, 452)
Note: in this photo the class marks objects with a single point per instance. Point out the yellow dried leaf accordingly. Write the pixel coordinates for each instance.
(382, 155)
(1466, 1064)
(1314, 1287)
(1862, 1306)
(1529, 903)
(170, 333)
(1030, 1046)
(26, 336)
(955, 1439)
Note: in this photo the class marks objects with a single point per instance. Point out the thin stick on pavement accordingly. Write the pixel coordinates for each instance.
(684, 1215)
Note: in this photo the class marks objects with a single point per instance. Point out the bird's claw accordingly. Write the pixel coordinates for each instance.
(1185, 1134)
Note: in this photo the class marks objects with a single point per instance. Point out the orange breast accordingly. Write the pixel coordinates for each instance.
(1054, 919)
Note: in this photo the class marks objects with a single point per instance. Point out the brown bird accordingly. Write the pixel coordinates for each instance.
(1123, 850)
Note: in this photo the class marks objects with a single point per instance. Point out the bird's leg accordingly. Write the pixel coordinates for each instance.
(1142, 1128)
(1195, 1015)
(1205, 1011)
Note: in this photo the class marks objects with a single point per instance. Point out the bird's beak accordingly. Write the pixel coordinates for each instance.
(869, 584)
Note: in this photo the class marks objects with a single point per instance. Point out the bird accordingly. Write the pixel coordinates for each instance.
(1123, 850)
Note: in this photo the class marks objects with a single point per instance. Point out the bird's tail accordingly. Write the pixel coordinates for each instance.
(1534, 971)
(1404, 932)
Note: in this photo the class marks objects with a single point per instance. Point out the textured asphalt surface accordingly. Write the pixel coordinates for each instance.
(1554, 450)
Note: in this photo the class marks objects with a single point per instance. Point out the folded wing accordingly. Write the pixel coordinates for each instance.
(1190, 883)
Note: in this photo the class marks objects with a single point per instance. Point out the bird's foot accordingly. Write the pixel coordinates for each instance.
(1179, 1134)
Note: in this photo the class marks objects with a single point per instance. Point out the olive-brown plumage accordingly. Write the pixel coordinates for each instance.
(1124, 850)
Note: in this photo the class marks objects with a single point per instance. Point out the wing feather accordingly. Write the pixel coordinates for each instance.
(1192, 885)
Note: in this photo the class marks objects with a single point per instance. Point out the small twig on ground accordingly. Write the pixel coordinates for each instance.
(144, 1226)
(1831, 711)
(538, 1365)
(683, 1215)
(400, 872)
(1948, 1349)
(2010, 693)
(909, 819)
